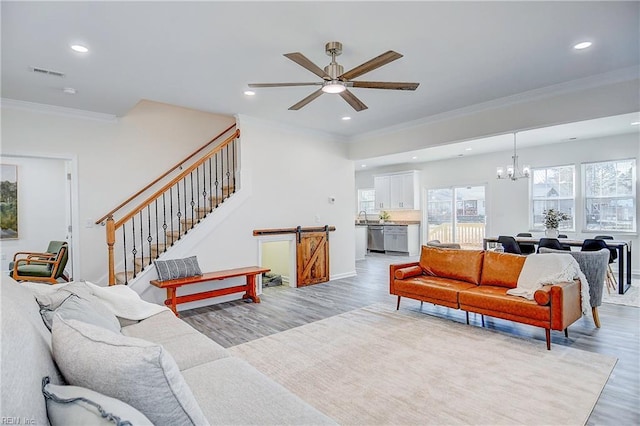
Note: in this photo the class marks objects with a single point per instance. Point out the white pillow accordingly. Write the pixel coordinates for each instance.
(138, 372)
(77, 406)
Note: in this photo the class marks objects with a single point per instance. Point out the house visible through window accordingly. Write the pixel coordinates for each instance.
(366, 200)
(553, 188)
(610, 195)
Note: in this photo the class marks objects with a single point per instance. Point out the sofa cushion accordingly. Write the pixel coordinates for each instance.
(501, 269)
(26, 354)
(245, 396)
(432, 288)
(464, 265)
(496, 299)
(188, 347)
(140, 373)
(77, 406)
(74, 307)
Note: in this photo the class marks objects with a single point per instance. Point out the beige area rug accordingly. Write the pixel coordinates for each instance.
(631, 297)
(375, 366)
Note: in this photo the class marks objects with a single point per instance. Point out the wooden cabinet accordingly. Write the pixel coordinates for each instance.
(398, 191)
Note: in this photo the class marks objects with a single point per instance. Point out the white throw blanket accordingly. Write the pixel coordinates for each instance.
(547, 269)
(125, 302)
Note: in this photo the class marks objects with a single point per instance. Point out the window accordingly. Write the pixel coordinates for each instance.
(367, 200)
(553, 188)
(465, 224)
(610, 195)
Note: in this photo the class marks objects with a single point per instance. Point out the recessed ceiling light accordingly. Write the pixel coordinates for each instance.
(468, 149)
(582, 45)
(345, 118)
(249, 92)
(414, 158)
(363, 166)
(79, 48)
(69, 90)
(635, 123)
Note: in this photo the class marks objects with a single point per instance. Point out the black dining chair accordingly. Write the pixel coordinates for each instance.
(551, 243)
(564, 246)
(614, 252)
(596, 244)
(510, 244)
(526, 248)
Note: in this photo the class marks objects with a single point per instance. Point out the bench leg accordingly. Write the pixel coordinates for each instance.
(171, 300)
(251, 289)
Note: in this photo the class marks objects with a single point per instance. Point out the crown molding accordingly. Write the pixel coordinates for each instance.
(590, 82)
(56, 110)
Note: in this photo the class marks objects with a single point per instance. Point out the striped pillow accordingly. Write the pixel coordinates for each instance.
(177, 268)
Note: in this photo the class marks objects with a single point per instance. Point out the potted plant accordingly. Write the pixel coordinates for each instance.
(384, 216)
(552, 219)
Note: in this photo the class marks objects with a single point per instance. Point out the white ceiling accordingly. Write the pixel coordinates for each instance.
(202, 55)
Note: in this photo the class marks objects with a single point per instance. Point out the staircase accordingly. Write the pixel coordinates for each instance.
(179, 200)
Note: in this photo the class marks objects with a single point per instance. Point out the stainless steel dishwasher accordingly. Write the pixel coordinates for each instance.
(375, 238)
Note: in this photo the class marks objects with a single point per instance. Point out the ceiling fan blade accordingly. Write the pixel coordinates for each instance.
(257, 85)
(353, 101)
(385, 85)
(303, 61)
(306, 100)
(371, 65)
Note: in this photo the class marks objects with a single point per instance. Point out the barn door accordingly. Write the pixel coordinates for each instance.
(312, 255)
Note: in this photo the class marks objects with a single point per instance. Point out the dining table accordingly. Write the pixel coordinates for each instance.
(623, 247)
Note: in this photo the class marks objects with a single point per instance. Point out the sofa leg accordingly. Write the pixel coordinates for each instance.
(398, 305)
(566, 332)
(547, 333)
(596, 318)
(421, 302)
(467, 317)
(482, 317)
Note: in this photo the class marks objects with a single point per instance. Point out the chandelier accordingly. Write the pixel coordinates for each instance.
(512, 171)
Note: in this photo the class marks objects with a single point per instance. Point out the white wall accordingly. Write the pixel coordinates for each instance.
(507, 201)
(287, 176)
(41, 205)
(114, 158)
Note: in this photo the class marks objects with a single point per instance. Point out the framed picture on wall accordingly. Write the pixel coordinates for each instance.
(8, 202)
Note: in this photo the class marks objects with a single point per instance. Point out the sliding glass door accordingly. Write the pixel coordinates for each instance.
(456, 215)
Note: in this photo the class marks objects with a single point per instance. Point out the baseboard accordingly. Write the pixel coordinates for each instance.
(343, 275)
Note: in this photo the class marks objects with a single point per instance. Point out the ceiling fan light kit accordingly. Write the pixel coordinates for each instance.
(336, 81)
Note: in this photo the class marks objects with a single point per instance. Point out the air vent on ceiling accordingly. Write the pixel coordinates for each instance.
(39, 70)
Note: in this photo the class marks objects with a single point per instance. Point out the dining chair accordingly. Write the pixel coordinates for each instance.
(551, 243)
(599, 244)
(510, 244)
(614, 252)
(564, 246)
(526, 248)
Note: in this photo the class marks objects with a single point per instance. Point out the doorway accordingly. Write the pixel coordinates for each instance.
(278, 253)
(456, 215)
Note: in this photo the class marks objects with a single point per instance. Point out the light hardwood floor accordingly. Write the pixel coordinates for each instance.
(283, 308)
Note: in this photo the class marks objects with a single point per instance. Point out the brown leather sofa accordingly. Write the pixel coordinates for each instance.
(477, 281)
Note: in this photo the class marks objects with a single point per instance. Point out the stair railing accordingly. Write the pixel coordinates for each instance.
(156, 223)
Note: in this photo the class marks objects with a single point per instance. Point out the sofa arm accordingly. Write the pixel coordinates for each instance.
(564, 300)
(397, 267)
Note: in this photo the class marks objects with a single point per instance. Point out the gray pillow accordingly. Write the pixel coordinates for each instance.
(140, 373)
(74, 307)
(177, 268)
(77, 406)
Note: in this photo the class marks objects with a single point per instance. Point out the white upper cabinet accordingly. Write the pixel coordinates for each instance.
(397, 191)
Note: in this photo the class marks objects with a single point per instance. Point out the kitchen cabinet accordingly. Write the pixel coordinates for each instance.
(402, 238)
(397, 191)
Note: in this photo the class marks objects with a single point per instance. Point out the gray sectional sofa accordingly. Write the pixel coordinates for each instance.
(158, 370)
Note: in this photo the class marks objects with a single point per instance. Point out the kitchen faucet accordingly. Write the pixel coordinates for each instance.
(366, 219)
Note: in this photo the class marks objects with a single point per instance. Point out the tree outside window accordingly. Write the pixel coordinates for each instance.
(610, 195)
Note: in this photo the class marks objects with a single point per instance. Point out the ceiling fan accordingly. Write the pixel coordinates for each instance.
(335, 80)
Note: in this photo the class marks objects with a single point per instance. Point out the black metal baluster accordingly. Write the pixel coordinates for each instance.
(210, 185)
(216, 182)
(186, 214)
(198, 191)
(149, 237)
(134, 251)
(235, 171)
(179, 215)
(193, 203)
(164, 219)
(141, 242)
(157, 231)
(171, 215)
(226, 148)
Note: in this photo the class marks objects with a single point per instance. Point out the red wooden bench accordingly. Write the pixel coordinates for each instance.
(249, 287)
